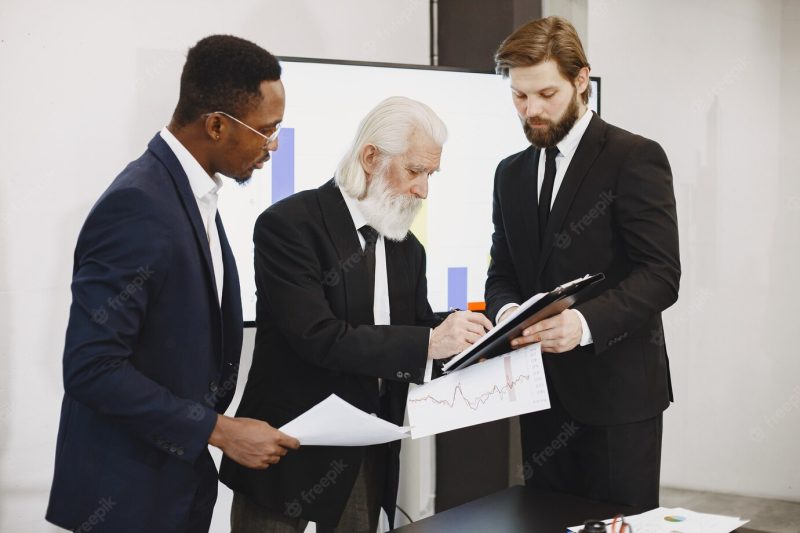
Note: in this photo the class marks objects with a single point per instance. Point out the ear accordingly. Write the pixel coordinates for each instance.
(213, 126)
(582, 80)
(369, 160)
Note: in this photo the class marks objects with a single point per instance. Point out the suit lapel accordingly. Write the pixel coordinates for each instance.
(589, 148)
(353, 271)
(163, 152)
(524, 198)
(231, 299)
(231, 284)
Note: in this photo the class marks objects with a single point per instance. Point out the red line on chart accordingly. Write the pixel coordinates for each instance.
(481, 399)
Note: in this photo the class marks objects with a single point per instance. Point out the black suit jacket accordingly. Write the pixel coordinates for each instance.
(150, 356)
(315, 338)
(614, 213)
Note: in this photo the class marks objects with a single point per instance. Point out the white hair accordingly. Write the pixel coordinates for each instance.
(389, 127)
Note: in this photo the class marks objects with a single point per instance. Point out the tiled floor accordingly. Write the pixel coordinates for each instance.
(772, 516)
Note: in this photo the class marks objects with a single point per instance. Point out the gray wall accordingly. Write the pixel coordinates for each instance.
(716, 83)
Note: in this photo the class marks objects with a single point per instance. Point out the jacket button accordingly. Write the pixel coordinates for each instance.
(179, 451)
(407, 375)
(399, 375)
(173, 449)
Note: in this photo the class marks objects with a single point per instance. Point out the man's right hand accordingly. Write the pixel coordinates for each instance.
(456, 333)
(249, 442)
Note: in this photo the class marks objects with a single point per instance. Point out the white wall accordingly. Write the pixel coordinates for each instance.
(84, 86)
(716, 83)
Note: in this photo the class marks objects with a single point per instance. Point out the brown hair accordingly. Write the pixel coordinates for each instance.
(541, 40)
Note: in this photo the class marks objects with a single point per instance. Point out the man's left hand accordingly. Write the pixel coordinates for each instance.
(558, 334)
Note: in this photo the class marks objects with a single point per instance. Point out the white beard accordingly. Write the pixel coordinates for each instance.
(389, 213)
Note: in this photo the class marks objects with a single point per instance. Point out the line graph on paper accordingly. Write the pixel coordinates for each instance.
(505, 390)
(508, 385)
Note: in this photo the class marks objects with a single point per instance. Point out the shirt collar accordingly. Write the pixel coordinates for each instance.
(198, 178)
(570, 142)
(355, 211)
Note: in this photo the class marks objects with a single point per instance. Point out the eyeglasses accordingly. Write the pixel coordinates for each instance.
(268, 139)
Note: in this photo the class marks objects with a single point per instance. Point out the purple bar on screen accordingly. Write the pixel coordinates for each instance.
(283, 166)
(457, 288)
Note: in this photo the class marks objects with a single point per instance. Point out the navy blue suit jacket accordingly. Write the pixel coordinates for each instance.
(150, 356)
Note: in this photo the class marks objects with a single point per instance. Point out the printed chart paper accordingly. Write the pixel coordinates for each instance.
(504, 386)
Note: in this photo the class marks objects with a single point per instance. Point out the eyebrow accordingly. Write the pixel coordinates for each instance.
(271, 124)
(543, 89)
(422, 168)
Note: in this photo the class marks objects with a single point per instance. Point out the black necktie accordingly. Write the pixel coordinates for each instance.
(371, 237)
(546, 194)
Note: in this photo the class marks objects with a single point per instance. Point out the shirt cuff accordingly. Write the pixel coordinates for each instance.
(586, 335)
(429, 364)
(428, 371)
(503, 310)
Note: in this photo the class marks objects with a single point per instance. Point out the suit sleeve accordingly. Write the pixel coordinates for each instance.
(501, 283)
(121, 261)
(645, 215)
(289, 278)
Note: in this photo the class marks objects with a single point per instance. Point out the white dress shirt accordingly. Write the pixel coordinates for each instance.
(380, 307)
(566, 148)
(381, 313)
(206, 192)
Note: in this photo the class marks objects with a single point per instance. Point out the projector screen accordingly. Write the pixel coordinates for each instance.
(325, 102)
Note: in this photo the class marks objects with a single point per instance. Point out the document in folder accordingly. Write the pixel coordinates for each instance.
(535, 309)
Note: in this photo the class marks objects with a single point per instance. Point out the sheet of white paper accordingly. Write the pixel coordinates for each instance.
(504, 386)
(334, 422)
(678, 520)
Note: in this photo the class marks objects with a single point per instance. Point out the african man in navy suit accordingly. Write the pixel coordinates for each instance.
(155, 327)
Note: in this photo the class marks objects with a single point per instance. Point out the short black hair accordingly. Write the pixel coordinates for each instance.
(223, 73)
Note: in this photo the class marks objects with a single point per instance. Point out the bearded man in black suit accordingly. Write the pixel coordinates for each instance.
(343, 309)
(585, 197)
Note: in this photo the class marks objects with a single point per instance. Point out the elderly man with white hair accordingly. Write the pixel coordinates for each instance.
(343, 309)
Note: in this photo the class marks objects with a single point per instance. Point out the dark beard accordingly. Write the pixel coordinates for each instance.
(552, 135)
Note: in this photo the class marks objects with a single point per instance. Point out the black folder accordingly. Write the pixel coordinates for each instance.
(498, 341)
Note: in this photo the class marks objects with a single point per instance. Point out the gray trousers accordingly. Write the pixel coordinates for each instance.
(361, 513)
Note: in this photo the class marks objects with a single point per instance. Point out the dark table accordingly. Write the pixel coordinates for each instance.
(521, 510)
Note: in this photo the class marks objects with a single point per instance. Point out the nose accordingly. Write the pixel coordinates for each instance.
(420, 190)
(272, 146)
(534, 108)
